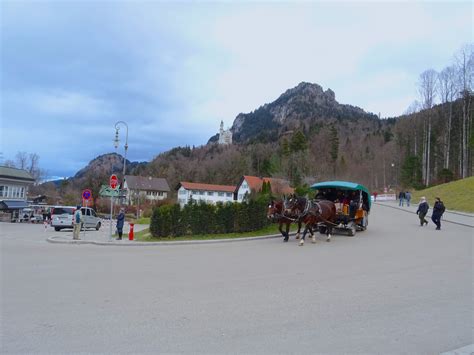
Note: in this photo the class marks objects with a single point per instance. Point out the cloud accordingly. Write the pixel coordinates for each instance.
(59, 102)
(172, 71)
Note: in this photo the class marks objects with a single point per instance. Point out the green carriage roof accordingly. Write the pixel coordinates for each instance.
(339, 185)
(347, 185)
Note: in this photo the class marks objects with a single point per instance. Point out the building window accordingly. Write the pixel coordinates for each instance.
(181, 192)
(220, 194)
(2, 190)
(201, 192)
(148, 193)
(229, 194)
(245, 185)
(22, 192)
(160, 193)
(210, 193)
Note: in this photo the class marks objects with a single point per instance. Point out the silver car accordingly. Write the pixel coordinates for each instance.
(62, 217)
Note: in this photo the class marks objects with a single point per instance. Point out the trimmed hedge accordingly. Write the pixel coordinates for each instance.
(202, 218)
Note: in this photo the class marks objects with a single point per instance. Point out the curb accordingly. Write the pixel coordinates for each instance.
(428, 215)
(126, 243)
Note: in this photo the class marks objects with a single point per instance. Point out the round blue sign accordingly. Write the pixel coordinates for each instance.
(86, 194)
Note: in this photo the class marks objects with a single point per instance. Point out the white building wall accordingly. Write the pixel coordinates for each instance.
(243, 190)
(185, 195)
(13, 190)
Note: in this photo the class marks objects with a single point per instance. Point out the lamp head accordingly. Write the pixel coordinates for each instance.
(116, 140)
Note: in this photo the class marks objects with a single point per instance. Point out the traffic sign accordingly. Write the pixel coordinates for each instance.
(113, 182)
(86, 194)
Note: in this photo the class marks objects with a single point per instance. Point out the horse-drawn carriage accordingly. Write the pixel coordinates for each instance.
(352, 202)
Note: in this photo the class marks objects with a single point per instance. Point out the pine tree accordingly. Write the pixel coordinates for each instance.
(298, 142)
(334, 143)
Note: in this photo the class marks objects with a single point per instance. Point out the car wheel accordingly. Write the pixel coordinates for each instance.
(97, 227)
(57, 229)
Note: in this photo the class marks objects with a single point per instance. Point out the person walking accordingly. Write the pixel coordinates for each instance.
(77, 223)
(438, 210)
(422, 210)
(120, 222)
(401, 198)
(408, 197)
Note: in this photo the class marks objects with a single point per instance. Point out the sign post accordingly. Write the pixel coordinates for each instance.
(113, 182)
(86, 195)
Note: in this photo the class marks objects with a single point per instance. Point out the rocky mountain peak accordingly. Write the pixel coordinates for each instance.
(303, 103)
(106, 163)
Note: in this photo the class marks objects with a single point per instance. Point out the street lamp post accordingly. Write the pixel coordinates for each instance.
(116, 143)
(394, 174)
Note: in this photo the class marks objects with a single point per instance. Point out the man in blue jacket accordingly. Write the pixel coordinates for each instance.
(438, 210)
(120, 222)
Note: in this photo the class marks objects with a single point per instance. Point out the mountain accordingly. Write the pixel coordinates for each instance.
(301, 107)
(107, 164)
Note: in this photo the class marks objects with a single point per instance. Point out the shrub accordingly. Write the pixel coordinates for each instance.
(202, 218)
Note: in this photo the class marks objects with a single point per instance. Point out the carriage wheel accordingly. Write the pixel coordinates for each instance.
(365, 222)
(352, 229)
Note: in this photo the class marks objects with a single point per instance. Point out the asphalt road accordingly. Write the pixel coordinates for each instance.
(395, 288)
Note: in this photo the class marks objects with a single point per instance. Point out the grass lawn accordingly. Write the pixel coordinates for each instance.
(145, 236)
(143, 220)
(456, 195)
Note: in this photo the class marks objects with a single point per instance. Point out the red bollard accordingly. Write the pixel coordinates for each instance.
(130, 234)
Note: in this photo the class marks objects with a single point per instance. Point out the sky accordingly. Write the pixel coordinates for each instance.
(172, 71)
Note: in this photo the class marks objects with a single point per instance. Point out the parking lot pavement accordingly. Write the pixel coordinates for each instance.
(394, 288)
(103, 235)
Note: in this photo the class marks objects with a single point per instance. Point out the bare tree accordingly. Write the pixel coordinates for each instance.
(414, 107)
(447, 91)
(465, 70)
(427, 91)
(9, 163)
(21, 159)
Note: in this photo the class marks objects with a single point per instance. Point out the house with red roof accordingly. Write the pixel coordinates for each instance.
(209, 193)
(253, 184)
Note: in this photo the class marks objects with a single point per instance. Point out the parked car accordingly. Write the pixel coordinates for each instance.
(62, 217)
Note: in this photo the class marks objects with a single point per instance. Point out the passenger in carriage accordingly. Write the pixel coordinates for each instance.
(320, 196)
(345, 201)
(354, 204)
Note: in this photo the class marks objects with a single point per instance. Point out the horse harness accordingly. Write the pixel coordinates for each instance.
(309, 209)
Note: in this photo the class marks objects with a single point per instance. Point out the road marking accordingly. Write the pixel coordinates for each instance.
(466, 350)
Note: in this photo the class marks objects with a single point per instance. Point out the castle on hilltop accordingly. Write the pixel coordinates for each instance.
(225, 137)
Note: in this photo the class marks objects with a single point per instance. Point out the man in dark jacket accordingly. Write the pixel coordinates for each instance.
(120, 222)
(438, 210)
(422, 211)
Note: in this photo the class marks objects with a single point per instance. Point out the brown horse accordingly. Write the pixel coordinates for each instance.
(319, 213)
(276, 214)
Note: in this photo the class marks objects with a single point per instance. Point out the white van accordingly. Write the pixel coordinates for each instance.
(62, 217)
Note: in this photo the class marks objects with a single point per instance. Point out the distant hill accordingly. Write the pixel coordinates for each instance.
(107, 163)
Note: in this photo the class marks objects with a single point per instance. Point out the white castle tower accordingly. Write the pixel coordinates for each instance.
(225, 137)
